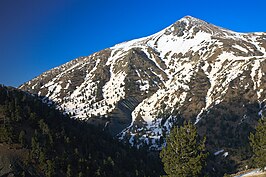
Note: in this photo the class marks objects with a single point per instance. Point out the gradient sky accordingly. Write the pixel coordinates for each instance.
(37, 35)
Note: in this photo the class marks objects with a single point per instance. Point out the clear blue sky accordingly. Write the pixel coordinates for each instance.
(37, 35)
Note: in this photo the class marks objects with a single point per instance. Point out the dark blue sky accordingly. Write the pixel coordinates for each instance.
(37, 35)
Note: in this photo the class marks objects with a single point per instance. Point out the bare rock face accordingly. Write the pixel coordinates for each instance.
(139, 89)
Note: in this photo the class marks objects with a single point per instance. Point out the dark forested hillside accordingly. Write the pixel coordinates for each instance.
(38, 140)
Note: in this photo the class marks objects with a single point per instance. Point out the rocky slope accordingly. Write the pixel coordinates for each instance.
(189, 70)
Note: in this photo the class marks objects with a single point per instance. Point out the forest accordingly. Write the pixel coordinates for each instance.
(39, 140)
(57, 145)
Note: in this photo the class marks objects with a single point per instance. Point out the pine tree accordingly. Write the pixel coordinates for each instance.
(258, 144)
(69, 171)
(80, 174)
(184, 154)
(50, 170)
(4, 134)
(22, 137)
(42, 159)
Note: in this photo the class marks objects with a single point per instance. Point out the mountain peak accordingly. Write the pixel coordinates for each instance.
(189, 20)
(184, 26)
(187, 23)
(188, 17)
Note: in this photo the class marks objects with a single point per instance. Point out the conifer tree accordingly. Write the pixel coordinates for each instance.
(184, 154)
(258, 144)
(69, 171)
(50, 171)
(22, 138)
(80, 174)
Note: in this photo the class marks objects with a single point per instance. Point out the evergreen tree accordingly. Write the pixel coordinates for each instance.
(258, 144)
(22, 138)
(50, 170)
(69, 171)
(80, 174)
(4, 134)
(42, 159)
(184, 154)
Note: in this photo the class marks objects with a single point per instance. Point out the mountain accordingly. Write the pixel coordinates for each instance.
(191, 70)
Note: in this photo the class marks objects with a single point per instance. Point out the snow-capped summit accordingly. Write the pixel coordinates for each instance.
(139, 89)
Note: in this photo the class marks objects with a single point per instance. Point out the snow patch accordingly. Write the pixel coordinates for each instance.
(218, 152)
